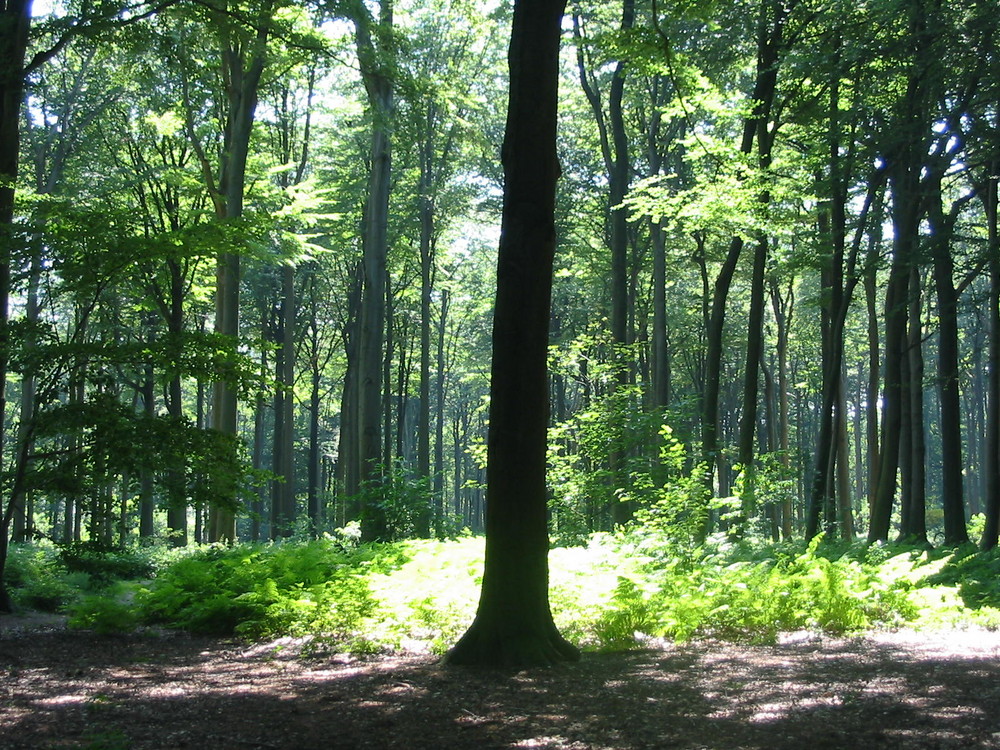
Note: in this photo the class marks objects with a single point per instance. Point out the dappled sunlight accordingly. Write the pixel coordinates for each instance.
(883, 692)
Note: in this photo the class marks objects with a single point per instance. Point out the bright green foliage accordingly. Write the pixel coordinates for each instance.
(263, 590)
(976, 575)
(33, 574)
(584, 487)
(720, 596)
(104, 612)
(399, 498)
(430, 599)
(615, 592)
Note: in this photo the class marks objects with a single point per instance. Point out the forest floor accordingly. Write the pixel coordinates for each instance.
(151, 689)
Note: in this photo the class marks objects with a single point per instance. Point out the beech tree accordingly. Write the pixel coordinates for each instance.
(513, 625)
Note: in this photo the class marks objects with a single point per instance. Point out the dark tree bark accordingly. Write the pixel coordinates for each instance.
(427, 253)
(439, 394)
(904, 226)
(15, 18)
(952, 487)
(282, 454)
(243, 64)
(177, 522)
(751, 379)
(371, 341)
(913, 523)
(755, 128)
(904, 162)
(514, 626)
(991, 445)
(782, 307)
(348, 474)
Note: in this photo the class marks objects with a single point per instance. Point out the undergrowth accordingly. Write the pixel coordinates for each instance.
(614, 592)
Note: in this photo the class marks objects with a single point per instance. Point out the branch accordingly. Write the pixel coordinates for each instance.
(87, 26)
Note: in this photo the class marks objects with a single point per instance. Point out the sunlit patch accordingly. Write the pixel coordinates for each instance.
(63, 700)
(550, 742)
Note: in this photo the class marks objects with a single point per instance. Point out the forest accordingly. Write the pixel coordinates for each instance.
(249, 254)
(684, 313)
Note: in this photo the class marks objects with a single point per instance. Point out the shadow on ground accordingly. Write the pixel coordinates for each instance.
(78, 690)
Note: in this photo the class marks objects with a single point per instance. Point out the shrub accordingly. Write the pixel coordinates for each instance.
(103, 614)
(261, 591)
(36, 578)
(749, 600)
(106, 563)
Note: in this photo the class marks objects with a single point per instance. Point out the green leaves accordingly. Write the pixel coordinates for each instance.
(264, 591)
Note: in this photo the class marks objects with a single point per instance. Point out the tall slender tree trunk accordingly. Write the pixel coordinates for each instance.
(771, 23)
(904, 235)
(781, 309)
(176, 473)
(845, 511)
(314, 489)
(348, 474)
(948, 373)
(283, 464)
(23, 517)
(872, 387)
(371, 343)
(427, 515)
(751, 380)
(915, 527)
(615, 149)
(439, 410)
(147, 500)
(242, 75)
(991, 445)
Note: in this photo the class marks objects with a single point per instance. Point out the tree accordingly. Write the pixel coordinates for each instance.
(513, 625)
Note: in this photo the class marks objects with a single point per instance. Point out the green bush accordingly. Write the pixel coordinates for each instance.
(976, 574)
(103, 613)
(262, 591)
(106, 563)
(36, 578)
(716, 596)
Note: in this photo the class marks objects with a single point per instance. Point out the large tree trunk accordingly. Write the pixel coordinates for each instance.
(904, 163)
(905, 226)
(348, 475)
(514, 626)
(15, 18)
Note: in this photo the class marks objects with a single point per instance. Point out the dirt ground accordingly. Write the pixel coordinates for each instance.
(69, 689)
